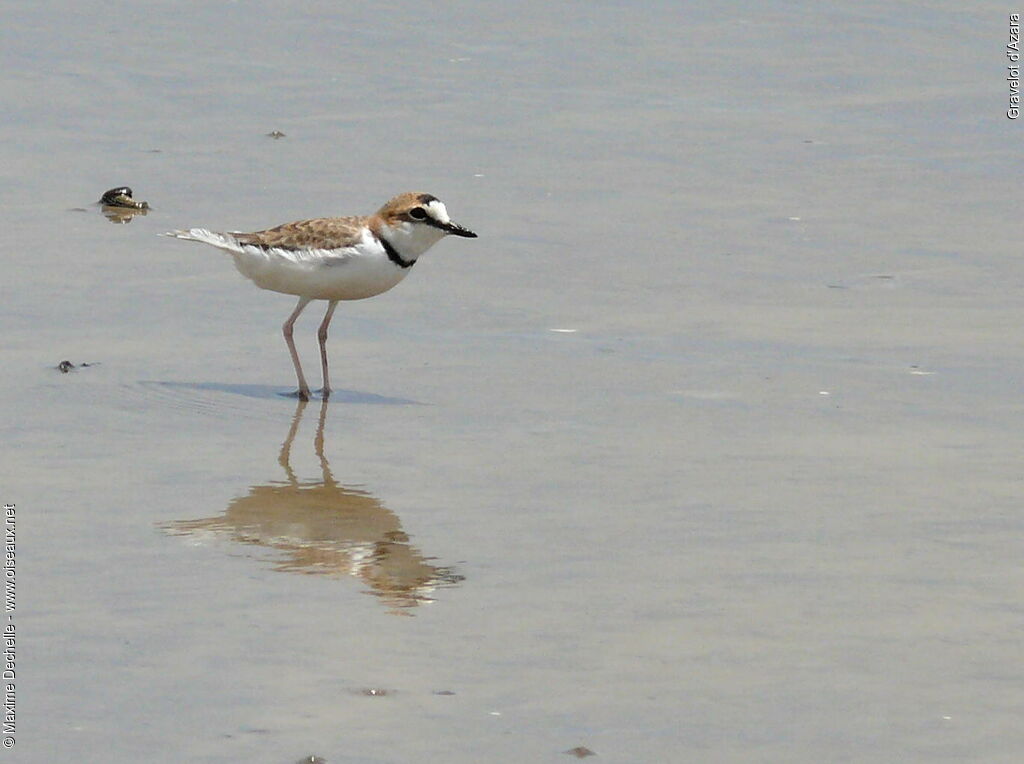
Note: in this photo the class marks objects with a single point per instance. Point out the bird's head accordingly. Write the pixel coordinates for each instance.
(414, 222)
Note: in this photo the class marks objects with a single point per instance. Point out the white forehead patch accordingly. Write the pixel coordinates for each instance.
(438, 211)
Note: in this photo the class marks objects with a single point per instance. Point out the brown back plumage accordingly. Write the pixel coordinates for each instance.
(320, 233)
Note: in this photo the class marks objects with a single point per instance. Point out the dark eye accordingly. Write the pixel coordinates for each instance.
(418, 213)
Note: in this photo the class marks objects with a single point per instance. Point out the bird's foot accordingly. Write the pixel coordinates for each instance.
(301, 394)
(325, 392)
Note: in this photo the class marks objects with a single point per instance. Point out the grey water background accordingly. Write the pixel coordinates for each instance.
(761, 503)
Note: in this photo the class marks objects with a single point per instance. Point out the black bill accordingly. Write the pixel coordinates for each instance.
(456, 230)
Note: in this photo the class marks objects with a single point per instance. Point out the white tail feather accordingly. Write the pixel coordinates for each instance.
(219, 240)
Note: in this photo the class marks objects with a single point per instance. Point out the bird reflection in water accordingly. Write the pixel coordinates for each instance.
(121, 215)
(324, 528)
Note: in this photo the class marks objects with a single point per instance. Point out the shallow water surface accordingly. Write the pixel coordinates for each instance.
(708, 449)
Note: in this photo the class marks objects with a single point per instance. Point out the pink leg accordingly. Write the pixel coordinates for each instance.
(303, 391)
(322, 336)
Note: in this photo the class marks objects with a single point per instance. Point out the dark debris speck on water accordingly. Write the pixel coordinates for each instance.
(580, 752)
(65, 366)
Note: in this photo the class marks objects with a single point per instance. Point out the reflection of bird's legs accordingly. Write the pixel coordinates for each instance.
(318, 444)
(303, 391)
(322, 336)
(284, 458)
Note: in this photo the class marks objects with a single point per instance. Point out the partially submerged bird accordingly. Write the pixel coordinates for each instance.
(335, 259)
(122, 197)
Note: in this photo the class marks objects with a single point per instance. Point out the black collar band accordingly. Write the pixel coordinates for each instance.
(393, 255)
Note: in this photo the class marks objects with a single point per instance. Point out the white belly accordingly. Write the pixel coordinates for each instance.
(320, 274)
